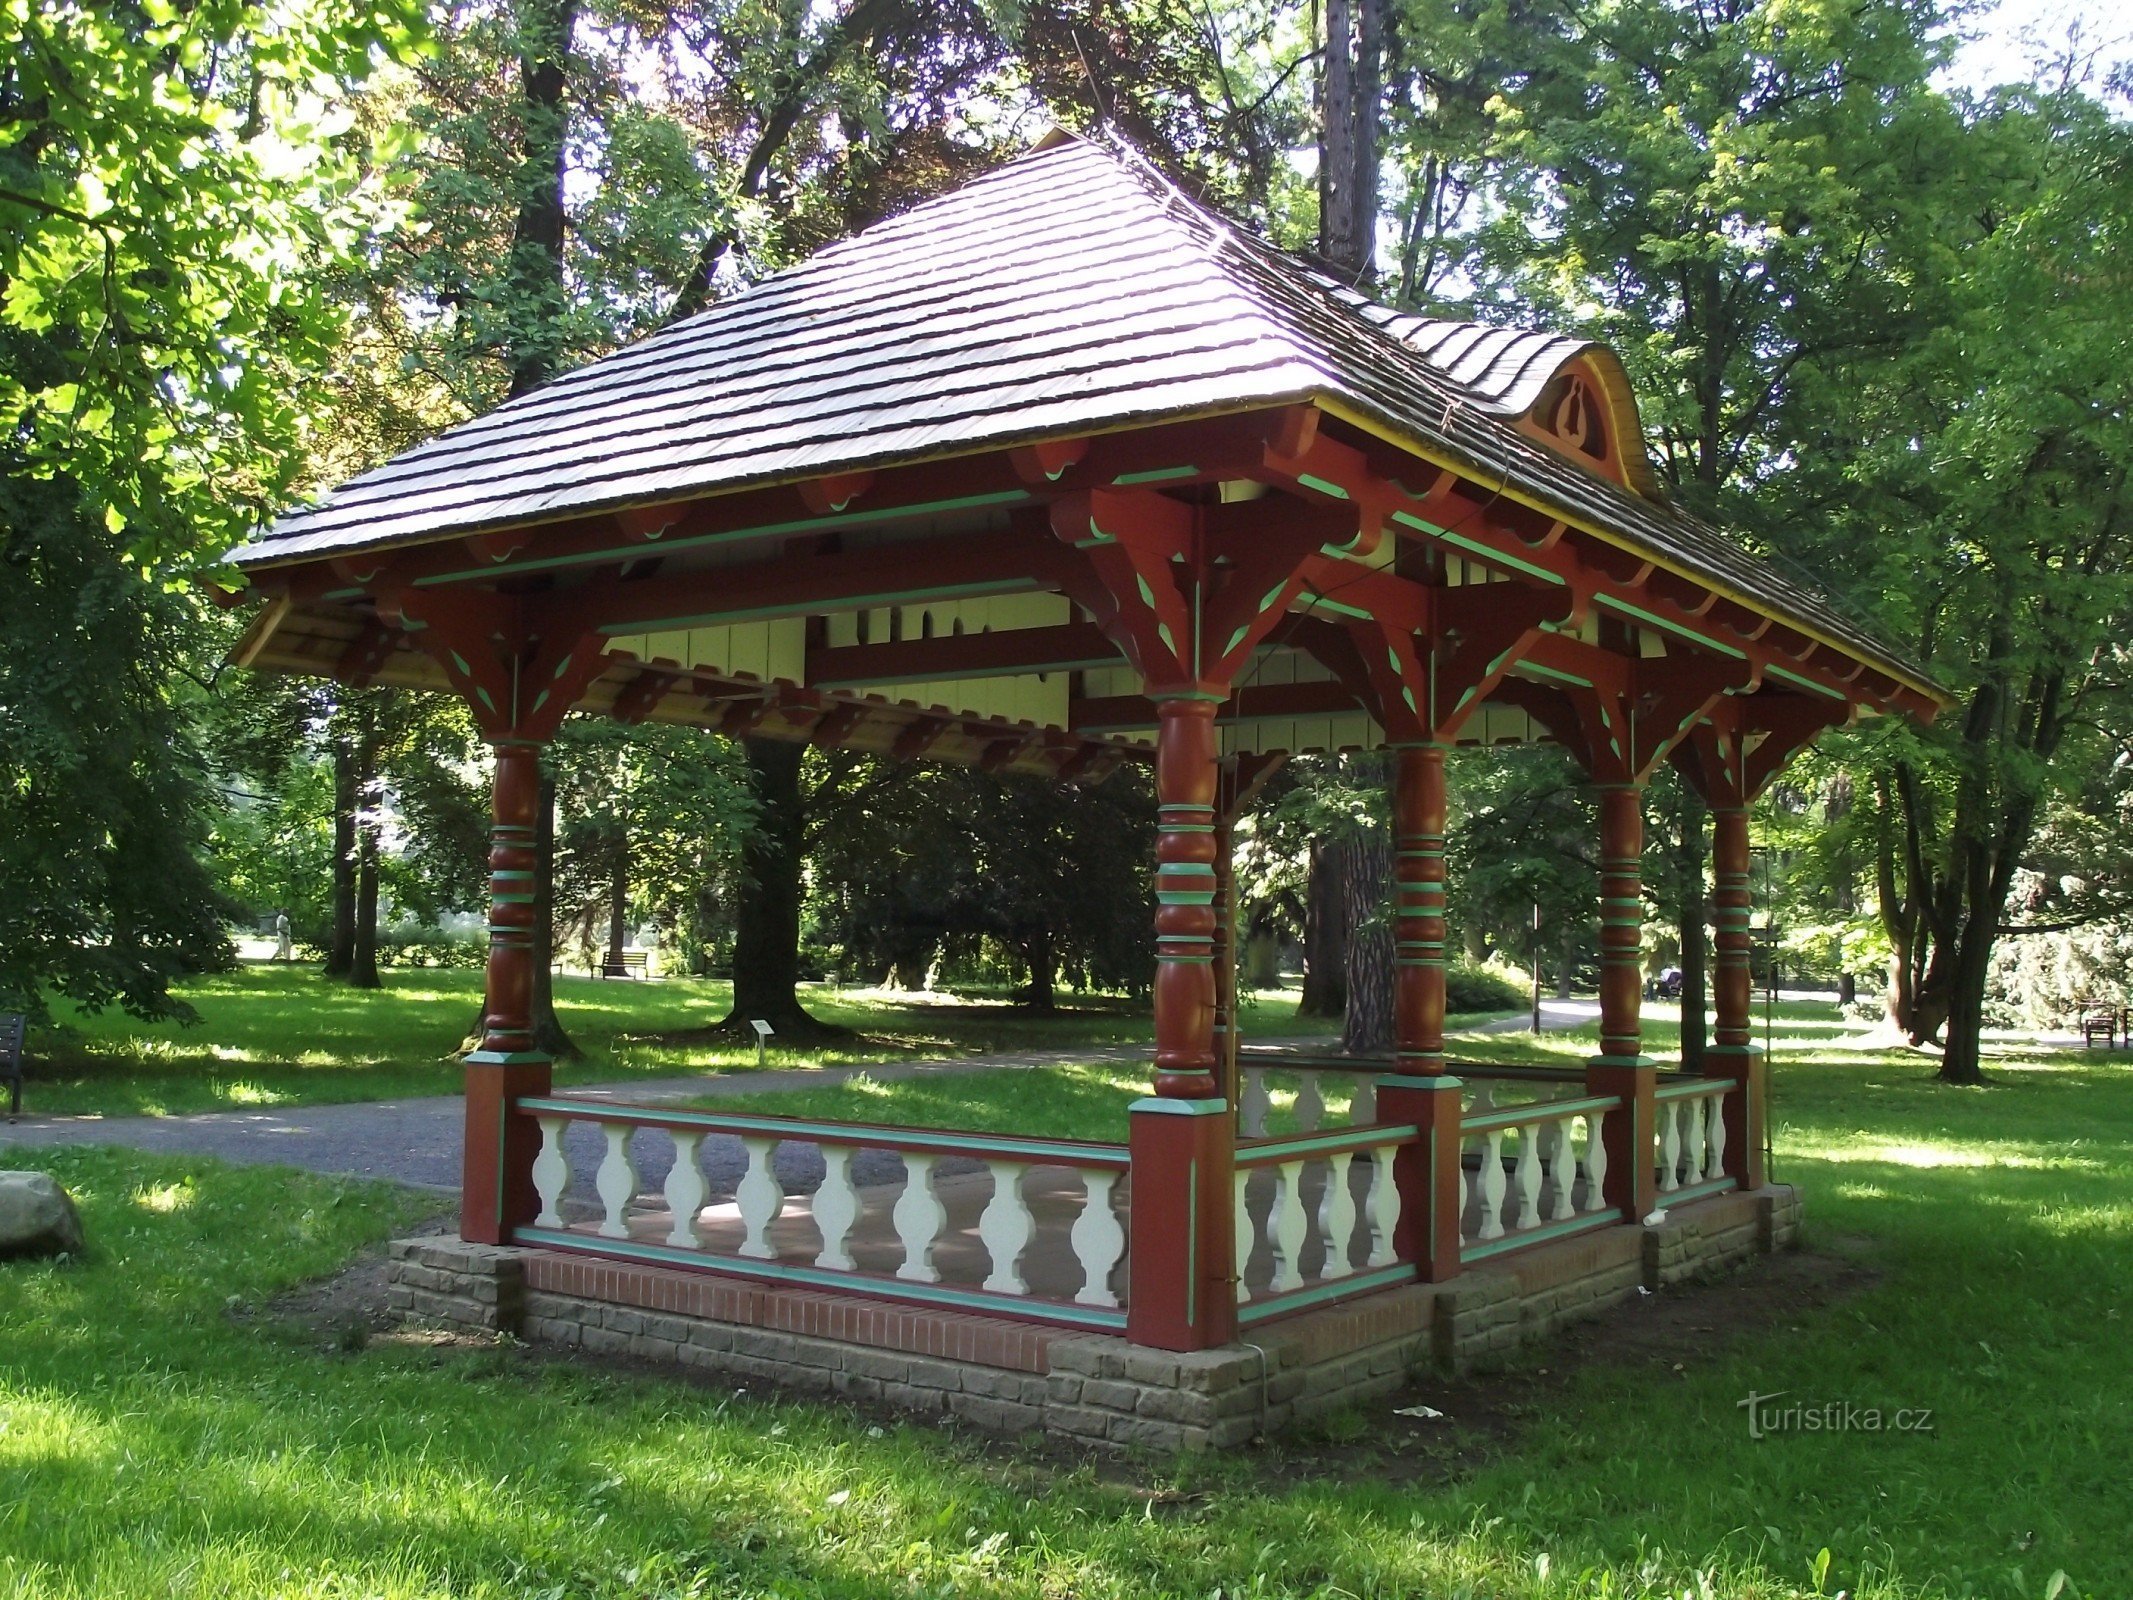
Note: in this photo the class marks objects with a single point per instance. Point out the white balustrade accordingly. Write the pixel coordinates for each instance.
(1098, 1240)
(919, 1217)
(1247, 1234)
(1715, 1145)
(1381, 1204)
(551, 1173)
(759, 1198)
(1542, 1187)
(1308, 1107)
(685, 1192)
(836, 1209)
(1669, 1146)
(1007, 1228)
(1007, 1224)
(1287, 1227)
(616, 1181)
(1253, 1104)
(1310, 1104)
(1336, 1216)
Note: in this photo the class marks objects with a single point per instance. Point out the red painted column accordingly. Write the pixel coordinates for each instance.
(1427, 1171)
(496, 1180)
(1418, 910)
(1227, 1037)
(1182, 1272)
(1731, 1055)
(1621, 1067)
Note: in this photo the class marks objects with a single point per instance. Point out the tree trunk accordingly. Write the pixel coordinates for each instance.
(363, 952)
(618, 905)
(1043, 971)
(536, 259)
(1367, 864)
(1348, 138)
(1325, 981)
(766, 923)
(1695, 933)
(1962, 1060)
(340, 950)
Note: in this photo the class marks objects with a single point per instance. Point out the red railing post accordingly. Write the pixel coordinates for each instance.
(1427, 1171)
(1621, 1068)
(1732, 1056)
(1182, 1274)
(496, 1191)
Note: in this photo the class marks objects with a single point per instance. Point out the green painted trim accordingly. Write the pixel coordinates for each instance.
(1550, 673)
(1489, 554)
(863, 602)
(1690, 1088)
(1709, 641)
(1322, 485)
(1358, 1283)
(1057, 1152)
(1697, 1191)
(1773, 670)
(1589, 1223)
(766, 530)
(1539, 1111)
(861, 1284)
(1295, 1147)
(1156, 1105)
(506, 1058)
(1405, 1081)
(1623, 1061)
(1156, 475)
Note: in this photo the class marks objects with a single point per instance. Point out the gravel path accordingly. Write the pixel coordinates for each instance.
(416, 1141)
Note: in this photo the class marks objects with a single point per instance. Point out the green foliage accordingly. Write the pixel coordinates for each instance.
(1474, 989)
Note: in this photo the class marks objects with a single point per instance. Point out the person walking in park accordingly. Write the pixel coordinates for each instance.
(283, 950)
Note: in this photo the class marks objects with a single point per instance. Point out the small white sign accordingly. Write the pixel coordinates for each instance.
(763, 1030)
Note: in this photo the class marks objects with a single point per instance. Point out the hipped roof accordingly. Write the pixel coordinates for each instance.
(1069, 291)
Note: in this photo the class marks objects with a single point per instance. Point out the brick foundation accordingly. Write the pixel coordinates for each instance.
(1014, 1378)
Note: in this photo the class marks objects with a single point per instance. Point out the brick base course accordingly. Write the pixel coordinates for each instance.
(1011, 1378)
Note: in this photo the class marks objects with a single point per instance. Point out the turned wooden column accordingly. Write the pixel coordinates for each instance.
(1731, 1055)
(1224, 943)
(1182, 1274)
(1418, 909)
(496, 1178)
(1621, 1067)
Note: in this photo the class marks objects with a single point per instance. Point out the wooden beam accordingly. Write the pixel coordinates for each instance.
(1000, 653)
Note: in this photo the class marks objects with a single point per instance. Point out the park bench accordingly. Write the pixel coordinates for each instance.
(624, 964)
(12, 1028)
(2103, 1019)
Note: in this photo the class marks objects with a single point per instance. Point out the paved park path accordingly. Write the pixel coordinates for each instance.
(416, 1141)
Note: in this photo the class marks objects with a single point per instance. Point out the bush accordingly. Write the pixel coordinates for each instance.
(1468, 987)
(432, 947)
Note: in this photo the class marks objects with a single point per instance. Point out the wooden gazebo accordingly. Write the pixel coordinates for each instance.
(1058, 471)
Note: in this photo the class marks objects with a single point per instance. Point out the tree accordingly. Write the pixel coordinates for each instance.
(2000, 448)
(170, 186)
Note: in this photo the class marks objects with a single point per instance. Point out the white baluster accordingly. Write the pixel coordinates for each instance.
(1098, 1240)
(1247, 1235)
(1382, 1205)
(1692, 1113)
(1526, 1176)
(919, 1217)
(1006, 1227)
(616, 1181)
(1483, 1101)
(1336, 1216)
(1310, 1103)
(1669, 1146)
(1289, 1226)
(1561, 1171)
(685, 1192)
(836, 1208)
(759, 1197)
(551, 1173)
(1363, 1108)
(1492, 1184)
(1595, 1161)
(1253, 1104)
(1469, 1185)
(1714, 1155)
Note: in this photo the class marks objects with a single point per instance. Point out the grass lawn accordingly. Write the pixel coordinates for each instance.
(284, 1036)
(153, 1442)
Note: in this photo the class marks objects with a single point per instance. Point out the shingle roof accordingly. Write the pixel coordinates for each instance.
(1070, 290)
